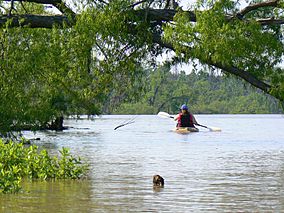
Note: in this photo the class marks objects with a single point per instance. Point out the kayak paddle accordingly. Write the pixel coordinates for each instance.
(126, 123)
(121, 125)
(167, 115)
(213, 129)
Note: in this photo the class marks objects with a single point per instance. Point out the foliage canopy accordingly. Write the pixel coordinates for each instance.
(93, 52)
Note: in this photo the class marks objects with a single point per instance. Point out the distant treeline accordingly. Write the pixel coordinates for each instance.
(204, 93)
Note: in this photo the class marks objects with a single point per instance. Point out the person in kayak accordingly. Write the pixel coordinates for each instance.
(185, 118)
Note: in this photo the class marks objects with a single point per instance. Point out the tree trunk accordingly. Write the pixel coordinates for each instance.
(57, 124)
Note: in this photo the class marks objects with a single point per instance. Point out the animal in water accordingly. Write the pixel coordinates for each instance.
(158, 181)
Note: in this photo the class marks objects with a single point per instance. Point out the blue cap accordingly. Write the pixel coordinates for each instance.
(184, 107)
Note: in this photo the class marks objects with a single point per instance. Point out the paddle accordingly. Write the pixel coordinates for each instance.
(126, 123)
(167, 115)
(121, 125)
(213, 129)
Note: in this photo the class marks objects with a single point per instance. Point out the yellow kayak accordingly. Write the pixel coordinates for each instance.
(185, 130)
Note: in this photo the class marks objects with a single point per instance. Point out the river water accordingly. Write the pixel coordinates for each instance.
(240, 169)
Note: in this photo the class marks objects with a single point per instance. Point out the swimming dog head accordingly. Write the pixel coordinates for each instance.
(158, 181)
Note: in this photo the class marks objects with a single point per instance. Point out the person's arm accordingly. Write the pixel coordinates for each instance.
(177, 117)
(193, 119)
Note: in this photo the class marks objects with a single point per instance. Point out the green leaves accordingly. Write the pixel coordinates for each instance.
(219, 36)
(48, 73)
(18, 161)
(205, 93)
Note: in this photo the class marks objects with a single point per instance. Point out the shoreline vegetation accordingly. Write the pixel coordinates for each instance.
(203, 92)
(19, 162)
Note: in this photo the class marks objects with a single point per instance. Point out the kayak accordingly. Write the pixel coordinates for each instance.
(185, 130)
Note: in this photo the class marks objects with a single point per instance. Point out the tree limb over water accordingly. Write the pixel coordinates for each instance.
(226, 19)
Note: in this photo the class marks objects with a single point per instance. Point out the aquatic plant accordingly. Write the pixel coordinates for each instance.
(18, 161)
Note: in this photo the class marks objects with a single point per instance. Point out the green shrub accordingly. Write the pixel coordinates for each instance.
(18, 161)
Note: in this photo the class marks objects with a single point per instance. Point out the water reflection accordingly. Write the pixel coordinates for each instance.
(158, 188)
(57, 196)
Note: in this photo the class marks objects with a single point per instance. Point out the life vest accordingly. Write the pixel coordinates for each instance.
(185, 120)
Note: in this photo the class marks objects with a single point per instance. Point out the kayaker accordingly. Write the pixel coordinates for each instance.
(185, 118)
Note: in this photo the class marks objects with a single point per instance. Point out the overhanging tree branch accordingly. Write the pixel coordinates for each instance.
(158, 16)
(33, 21)
(270, 21)
(248, 77)
(249, 8)
(154, 15)
(162, 15)
(41, 1)
(60, 5)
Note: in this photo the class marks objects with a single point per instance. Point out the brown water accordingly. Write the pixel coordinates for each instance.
(240, 169)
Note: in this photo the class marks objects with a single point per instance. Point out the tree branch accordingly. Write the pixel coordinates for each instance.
(34, 21)
(102, 1)
(102, 50)
(158, 15)
(23, 7)
(249, 8)
(137, 3)
(12, 7)
(248, 77)
(244, 75)
(59, 4)
(270, 21)
(162, 15)
(40, 1)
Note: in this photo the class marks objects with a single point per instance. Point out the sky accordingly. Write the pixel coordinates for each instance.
(186, 3)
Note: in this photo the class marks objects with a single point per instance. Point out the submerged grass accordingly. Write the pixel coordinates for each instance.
(18, 161)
